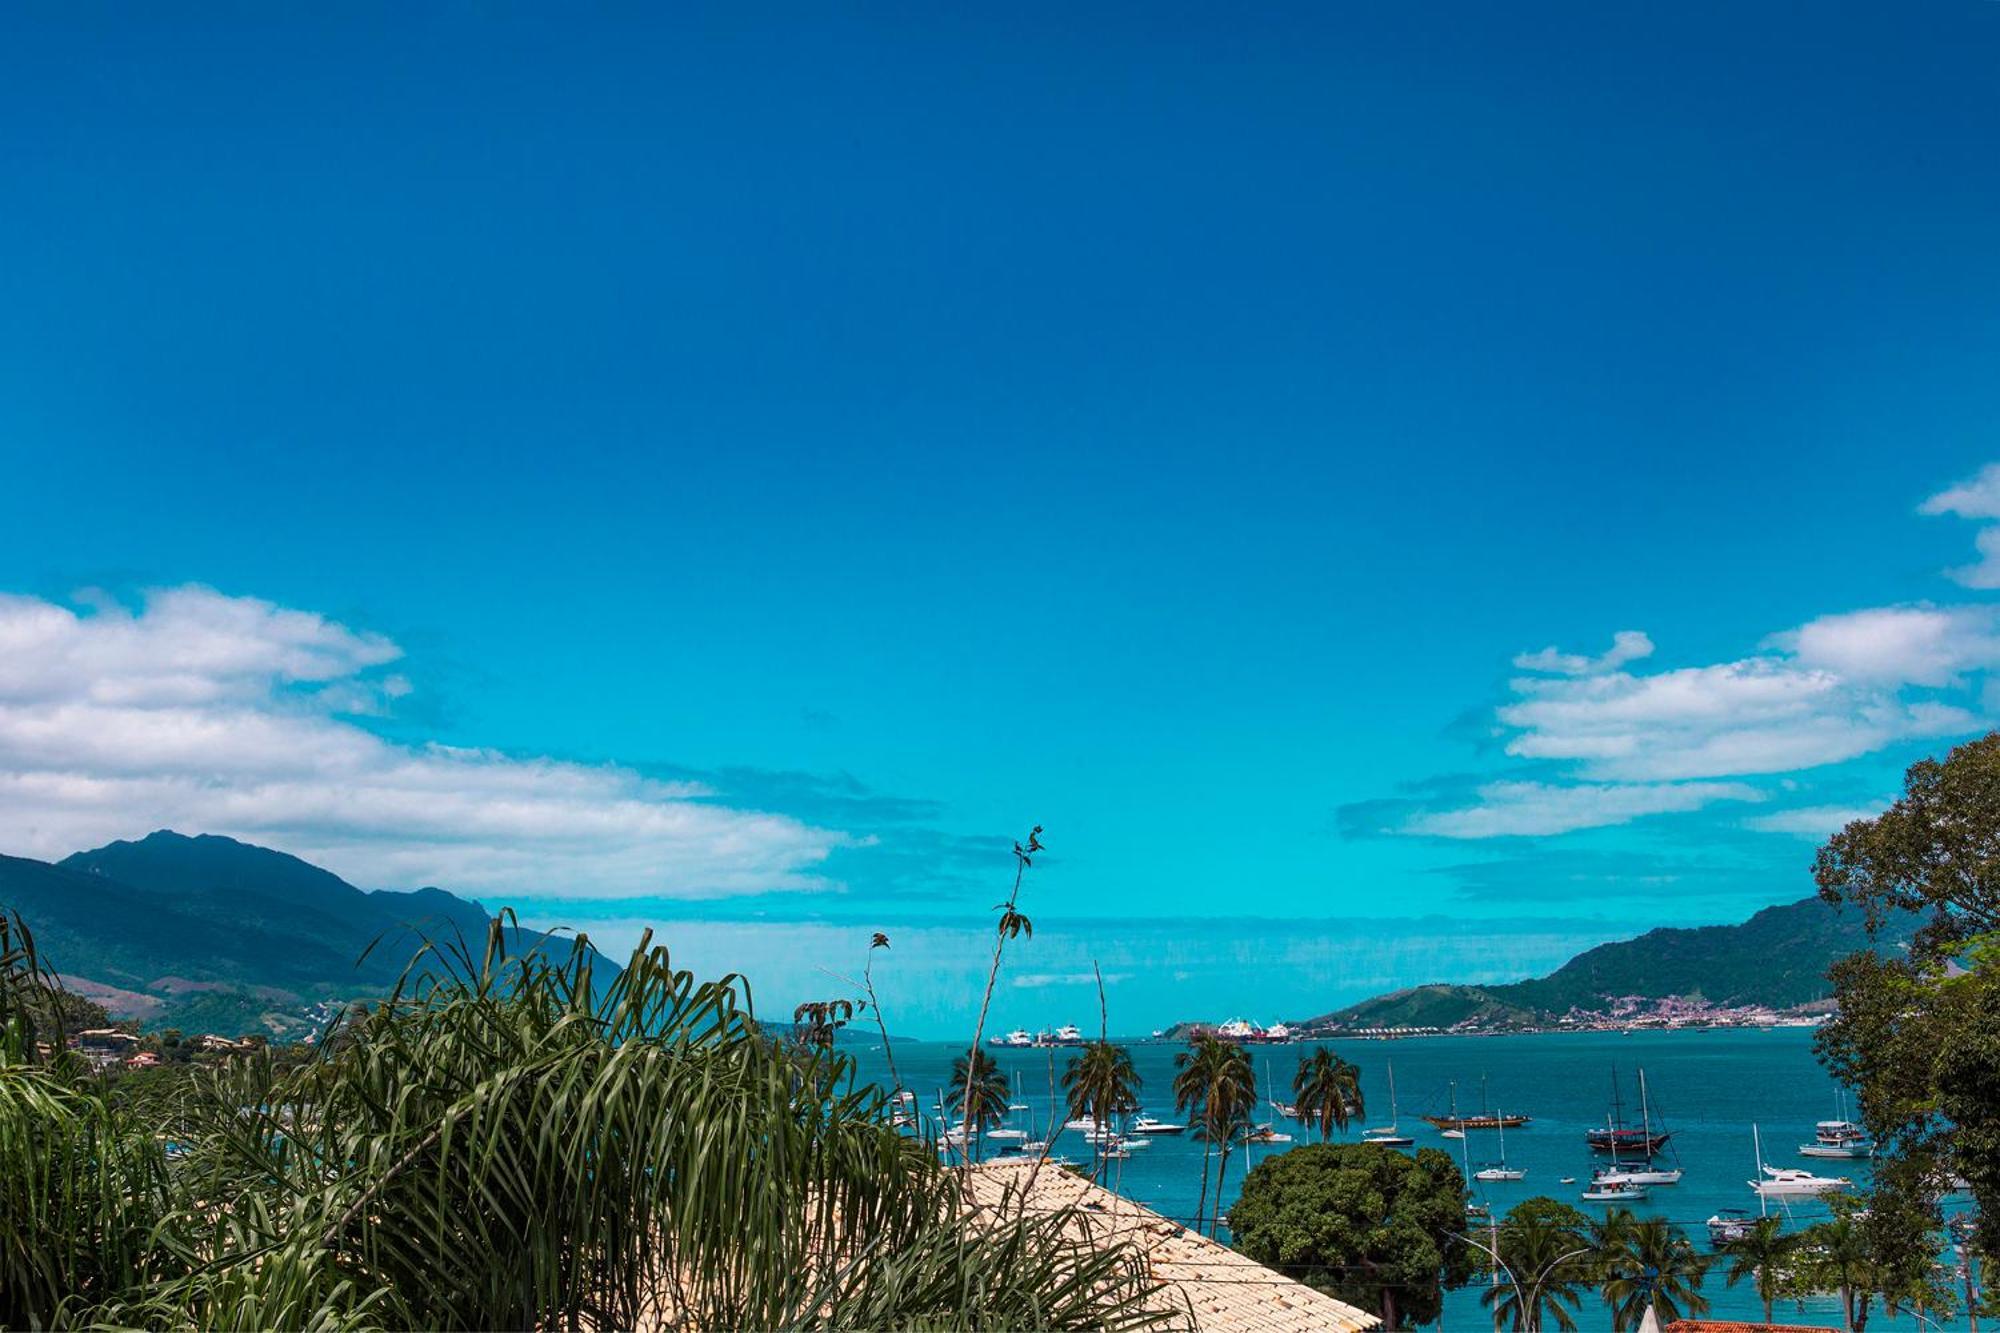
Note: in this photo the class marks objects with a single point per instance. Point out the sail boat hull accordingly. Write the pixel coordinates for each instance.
(1475, 1121)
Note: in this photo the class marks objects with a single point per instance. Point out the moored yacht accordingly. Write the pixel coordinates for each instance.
(1017, 1038)
(1839, 1137)
(1729, 1225)
(1614, 1192)
(1146, 1124)
(1783, 1182)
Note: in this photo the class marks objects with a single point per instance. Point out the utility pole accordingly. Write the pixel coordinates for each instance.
(1493, 1243)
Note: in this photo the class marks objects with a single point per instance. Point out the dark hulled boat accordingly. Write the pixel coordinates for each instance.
(1620, 1139)
(1475, 1121)
(1483, 1120)
(1626, 1139)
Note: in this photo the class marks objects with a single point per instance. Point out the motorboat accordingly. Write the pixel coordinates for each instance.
(1146, 1124)
(1839, 1137)
(1613, 1192)
(1729, 1225)
(1785, 1182)
(1003, 1135)
(1266, 1134)
(1017, 1038)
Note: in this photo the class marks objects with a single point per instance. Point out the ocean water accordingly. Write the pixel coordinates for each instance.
(1708, 1087)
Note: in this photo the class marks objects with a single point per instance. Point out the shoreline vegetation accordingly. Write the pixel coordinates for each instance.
(505, 1143)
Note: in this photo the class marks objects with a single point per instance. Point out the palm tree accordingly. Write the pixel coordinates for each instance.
(1836, 1256)
(1196, 1066)
(1764, 1255)
(1227, 1100)
(1101, 1084)
(1650, 1263)
(978, 1093)
(1327, 1091)
(1550, 1267)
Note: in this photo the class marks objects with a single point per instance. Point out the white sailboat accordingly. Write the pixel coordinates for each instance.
(1502, 1171)
(1386, 1136)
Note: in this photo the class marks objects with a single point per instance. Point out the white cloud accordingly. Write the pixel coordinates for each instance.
(1978, 498)
(221, 714)
(1897, 645)
(1627, 645)
(1814, 821)
(1831, 690)
(1536, 809)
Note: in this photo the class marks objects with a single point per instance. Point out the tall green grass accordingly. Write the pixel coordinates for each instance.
(508, 1142)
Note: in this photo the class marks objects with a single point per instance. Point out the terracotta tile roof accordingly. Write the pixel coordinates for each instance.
(1225, 1291)
(1741, 1325)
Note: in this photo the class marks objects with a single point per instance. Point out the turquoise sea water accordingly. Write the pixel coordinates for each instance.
(1707, 1087)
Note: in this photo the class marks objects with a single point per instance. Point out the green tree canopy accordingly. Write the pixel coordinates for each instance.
(1918, 1035)
(1369, 1225)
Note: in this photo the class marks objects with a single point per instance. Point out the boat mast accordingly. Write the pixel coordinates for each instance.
(1392, 1094)
(1645, 1119)
(1757, 1142)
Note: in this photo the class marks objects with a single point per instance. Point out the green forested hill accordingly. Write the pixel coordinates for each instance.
(1777, 958)
(209, 933)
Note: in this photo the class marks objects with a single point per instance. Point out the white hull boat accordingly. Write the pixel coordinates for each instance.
(1638, 1176)
(1783, 1182)
(1386, 1136)
(1614, 1194)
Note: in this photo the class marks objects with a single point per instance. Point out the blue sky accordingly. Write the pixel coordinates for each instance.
(738, 469)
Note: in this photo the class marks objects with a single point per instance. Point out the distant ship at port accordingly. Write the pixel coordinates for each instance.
(1247, 1033)
(1021, 1038)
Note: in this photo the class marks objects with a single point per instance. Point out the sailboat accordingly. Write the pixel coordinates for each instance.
(1386, 1136)
(1008, 1134)
(1502, 1171)
(1455, 1121)
(1645, 1173)
(1619, 1138)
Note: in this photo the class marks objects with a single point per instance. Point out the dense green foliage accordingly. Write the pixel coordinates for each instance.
(1778, 958)
(505, 1143)
(1377, 1228)
(1918, 1034)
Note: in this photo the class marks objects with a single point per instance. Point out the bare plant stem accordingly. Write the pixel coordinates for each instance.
(986, 1001)
(881, 1024)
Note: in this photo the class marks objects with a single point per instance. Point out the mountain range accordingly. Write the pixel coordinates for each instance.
(210, 934)
(1777, 960)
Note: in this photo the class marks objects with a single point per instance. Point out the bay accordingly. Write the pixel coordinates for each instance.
(1708, 1087)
